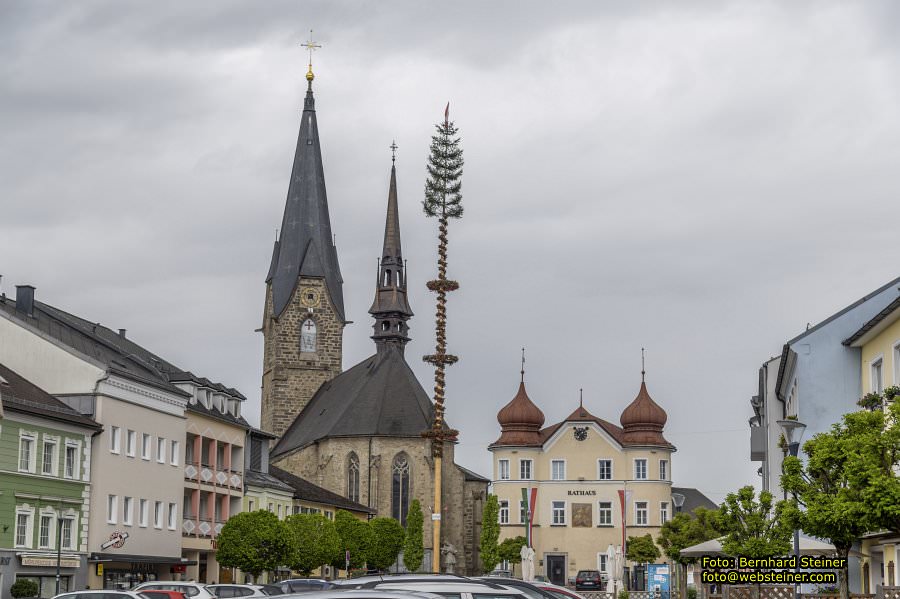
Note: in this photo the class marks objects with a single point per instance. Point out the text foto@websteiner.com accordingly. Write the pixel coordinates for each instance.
(745, 570)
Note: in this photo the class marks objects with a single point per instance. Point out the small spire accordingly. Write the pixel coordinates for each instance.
(643, 371)
(523, 365)
(393, 148)
(580, 397)
(310, 45)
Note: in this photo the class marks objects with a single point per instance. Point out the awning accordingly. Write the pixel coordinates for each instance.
(808, 546)
(140, 559)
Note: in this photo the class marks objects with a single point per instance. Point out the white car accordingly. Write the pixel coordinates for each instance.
(345, 593)
(448, 589)
(191, 590)
(100, 594)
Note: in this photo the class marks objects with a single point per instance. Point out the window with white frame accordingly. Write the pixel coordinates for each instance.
(115, 439)
(143, 513)
(48, 459)
(640, 469)
(526, 469)
(23, 529)
(877, 376)
(503, 469)
(146, 440)
(161, 450)
(558, 469)
(71, 467)
(604, 512)
(175, 454)
(130, 443)
(558, 513)
(601, 562)
(640, 513)
(127, 508)
(158, 514)
(112, 509)
(65, 533)
(44, 529)
(27, 455)
(604, 469)
(663, 512)
(504, 512)
(173, 515)
(664, 470)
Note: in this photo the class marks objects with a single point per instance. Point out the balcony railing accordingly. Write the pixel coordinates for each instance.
(220, 478)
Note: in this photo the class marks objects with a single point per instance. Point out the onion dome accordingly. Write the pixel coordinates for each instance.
(643, 420)
(520, 421)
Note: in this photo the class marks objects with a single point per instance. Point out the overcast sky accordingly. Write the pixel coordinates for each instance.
(701, 179)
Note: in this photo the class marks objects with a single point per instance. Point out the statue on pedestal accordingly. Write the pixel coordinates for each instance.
(449, 552)
(527, 555)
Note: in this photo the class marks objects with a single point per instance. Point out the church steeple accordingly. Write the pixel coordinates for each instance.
(391, 307)
(305, 246)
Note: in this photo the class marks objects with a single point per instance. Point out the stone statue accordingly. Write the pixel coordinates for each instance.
(527, 555)
(449, 552)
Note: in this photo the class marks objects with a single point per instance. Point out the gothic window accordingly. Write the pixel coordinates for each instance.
(308, 336)
(353, 478)
(400, 488)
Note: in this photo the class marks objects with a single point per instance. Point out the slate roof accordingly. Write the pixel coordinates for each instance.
(379, 397)
(267, 481)
(473, 476)
(305, 246)
(694, 499)
(20, 395)
(118, 353)
(305, 490)
(874, 322)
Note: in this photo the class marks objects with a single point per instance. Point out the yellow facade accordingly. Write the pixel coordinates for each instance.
(882, 350)
(578, 540)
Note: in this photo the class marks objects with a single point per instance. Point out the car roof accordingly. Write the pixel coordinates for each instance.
(182, 583)
(446, 586)
(362, 594)
(95, 591)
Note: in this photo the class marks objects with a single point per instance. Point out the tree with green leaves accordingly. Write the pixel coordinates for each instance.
(255, 542)
(510, 550)
(388, 536)
(24, 587)
(490, 532)
(414, 544)
(754, 528)
(642, 550)
(316, 540)
(848, 486)
(685, 530)
(356, 537)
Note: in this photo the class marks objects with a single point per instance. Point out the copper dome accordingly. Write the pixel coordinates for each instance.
(520, 421)
(643, 420)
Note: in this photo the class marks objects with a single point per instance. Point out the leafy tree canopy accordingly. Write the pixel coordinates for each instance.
(316, 539)
(490, 532)
(255, 542)
(414, 545)
(755, 528)
(389, 536)
(510, 550)
(356, 537)
(642, 550)
(685, 530)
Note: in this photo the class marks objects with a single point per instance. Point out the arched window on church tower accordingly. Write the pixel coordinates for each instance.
(353, 478)
(400, 488)
(308, 336)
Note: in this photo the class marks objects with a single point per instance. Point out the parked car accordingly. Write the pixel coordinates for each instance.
(268, 589)
(100, 594)
(558, 591)
(160, 594)
(305, 585)
(362, 581)
(526, 588)
(191, 590)
(589, 580)
(449, 589)
(230, 591)
(339, 593)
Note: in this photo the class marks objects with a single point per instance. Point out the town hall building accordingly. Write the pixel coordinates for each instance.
(357, 432)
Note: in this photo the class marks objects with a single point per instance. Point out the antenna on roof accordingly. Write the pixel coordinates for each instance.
(643, 371)
(580, 397)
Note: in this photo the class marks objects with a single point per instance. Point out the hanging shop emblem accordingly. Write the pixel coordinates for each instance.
(116, 540)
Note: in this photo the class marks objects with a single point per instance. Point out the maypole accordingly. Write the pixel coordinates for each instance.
(442, 200)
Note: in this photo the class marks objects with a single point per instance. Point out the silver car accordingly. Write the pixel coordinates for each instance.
(100, 594)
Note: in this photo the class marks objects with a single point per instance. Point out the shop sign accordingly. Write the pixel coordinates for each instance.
(49, 562)
(582, 492)
(99, 569)
(116, 540)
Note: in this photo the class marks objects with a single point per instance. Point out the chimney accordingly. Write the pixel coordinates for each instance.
(122, 333)
(25, 300)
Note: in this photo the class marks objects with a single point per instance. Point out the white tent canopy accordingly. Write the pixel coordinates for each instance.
(808, 546)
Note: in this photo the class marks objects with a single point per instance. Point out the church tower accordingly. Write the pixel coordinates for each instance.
(303, 318)
(391, 307)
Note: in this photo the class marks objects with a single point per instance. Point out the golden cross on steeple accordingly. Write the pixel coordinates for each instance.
(310, 45)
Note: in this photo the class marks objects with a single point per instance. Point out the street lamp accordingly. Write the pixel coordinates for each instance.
(678, 501)
(793, 432)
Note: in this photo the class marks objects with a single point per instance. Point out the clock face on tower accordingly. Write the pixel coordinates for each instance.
(581, 433)
(309, 297)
